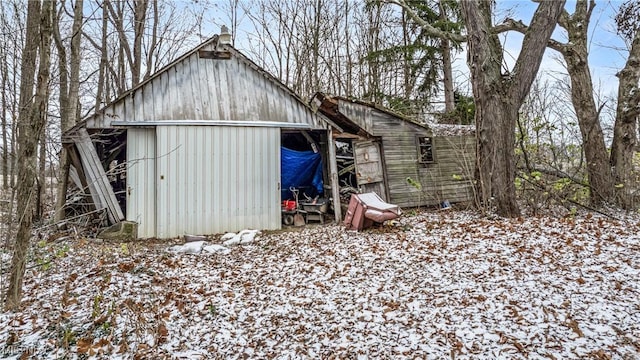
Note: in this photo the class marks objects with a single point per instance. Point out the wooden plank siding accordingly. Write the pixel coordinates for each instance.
(369, 168)
(450, 177)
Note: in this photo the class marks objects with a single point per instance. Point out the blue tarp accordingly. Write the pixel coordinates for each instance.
(301, 169)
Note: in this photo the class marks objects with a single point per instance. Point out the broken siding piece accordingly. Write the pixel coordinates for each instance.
(99, 186)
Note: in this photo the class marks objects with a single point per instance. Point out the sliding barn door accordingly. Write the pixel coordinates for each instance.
(215, 179)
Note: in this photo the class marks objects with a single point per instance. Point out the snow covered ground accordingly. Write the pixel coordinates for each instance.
(438, 285)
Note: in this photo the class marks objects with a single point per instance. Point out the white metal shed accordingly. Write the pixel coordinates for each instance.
(203, 177)
(203, 139)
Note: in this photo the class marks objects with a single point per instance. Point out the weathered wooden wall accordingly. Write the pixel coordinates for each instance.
(450, 177)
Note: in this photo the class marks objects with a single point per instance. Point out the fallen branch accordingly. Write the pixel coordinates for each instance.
(557, 173)
(543, 188)
(68, 219)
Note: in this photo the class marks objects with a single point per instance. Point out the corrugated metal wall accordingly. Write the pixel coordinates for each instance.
(141, 174)
(214, 179)
(209, 89)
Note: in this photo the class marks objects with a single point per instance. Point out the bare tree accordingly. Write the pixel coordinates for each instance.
(4, 80)
(447, 68)
(132, 40)
(435, 52)
(139, 15)
(498, 96)
(102, 92)
(628, 108)
(12, 36)
(41, 178)
(31, 120)
(575, 52)
(69, 88)
(368, 50)
(133, 53)
(117, 15)
(289, 42)
(13, 27)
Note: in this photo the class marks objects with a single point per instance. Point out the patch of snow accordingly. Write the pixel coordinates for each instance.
(193, 247)
(452, 284)
(241, 238)
(451, 129)
(228, 236)
(216, 248)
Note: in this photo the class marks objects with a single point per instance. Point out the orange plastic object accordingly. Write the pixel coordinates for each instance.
(288, 205)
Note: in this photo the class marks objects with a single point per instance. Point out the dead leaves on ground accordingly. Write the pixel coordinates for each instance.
(453, 285)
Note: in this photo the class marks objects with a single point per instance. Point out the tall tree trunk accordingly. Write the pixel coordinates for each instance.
(4, 72)
(102, 71)
(69, 88)
(234, 8)
(576, 54)
(117, 17)
(317, 23)
(74, 71)
(154, 40)
(408, 101)
(447, 68)
(139, 13)
(498, 97)
(31, 120)
(624, 131)
(39, 114)
(41, 180)
(63, 73)
(121, 79)
(595, 150)
(373, 45)
(348, 87)
(15, 104)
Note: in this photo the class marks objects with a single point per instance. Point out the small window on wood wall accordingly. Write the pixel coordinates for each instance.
(425, 150)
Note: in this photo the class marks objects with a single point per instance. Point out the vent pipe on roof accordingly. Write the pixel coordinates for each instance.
(224, 38)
